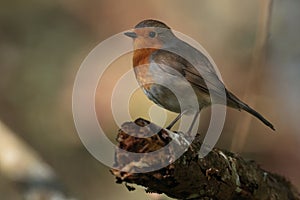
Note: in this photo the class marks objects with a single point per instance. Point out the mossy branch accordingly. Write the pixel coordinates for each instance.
(219, 175)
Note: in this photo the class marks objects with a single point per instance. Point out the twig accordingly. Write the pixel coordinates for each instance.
(258, 63)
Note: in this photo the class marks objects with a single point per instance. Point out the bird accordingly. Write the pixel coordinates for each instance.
(160, 58)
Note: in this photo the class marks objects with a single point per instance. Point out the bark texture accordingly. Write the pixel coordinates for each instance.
(219, 175)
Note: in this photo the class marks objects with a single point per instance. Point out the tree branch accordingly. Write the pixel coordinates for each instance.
(220, 175)
(22, 165)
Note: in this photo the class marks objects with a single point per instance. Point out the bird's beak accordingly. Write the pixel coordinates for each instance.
(131, 34)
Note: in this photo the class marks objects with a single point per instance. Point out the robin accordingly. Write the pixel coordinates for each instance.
(157, 58)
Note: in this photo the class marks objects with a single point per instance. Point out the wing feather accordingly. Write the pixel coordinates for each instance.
(199, 78)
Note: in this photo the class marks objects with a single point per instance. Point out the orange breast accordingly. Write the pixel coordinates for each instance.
(141, 58)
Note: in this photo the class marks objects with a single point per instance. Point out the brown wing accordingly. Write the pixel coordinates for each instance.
(201, 78)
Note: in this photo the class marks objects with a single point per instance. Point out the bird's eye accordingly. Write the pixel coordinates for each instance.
(152, 34)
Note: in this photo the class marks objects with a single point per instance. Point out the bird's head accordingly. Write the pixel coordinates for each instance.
(151, 34)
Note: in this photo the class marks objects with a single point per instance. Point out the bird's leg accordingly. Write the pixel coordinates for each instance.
(189, 132)
(175, 120)
(193, 123)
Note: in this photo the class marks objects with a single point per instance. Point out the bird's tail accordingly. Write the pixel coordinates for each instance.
(237, 103)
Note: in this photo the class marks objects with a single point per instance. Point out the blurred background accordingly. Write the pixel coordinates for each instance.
(42, 44)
